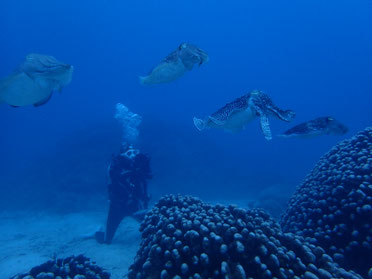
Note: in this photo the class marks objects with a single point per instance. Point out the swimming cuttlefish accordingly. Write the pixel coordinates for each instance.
(319, 126)
(176, 64)
(236, 115)
(34, 81)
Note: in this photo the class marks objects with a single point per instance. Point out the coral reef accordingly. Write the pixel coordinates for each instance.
(182, 237)
(79, 267)
(129, 121)
(334, 204)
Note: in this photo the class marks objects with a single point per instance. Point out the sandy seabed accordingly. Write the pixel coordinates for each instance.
(29, 239)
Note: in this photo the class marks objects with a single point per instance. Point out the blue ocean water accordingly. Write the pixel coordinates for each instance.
(313, 57)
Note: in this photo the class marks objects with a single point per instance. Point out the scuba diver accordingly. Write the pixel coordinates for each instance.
(129, 171)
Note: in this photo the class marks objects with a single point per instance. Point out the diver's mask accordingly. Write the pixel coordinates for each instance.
(131, 152)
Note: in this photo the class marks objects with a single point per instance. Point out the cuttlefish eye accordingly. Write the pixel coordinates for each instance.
(330, 119)
(184, 45)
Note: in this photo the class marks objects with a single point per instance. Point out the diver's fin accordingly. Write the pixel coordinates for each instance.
(199, 123)
(44, 101)
(265, 126)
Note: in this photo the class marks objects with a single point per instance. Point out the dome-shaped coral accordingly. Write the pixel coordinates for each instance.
(334, 203)
(79, 267)
(182, 237)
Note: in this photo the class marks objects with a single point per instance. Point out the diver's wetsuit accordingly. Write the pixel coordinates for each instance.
(127, 190)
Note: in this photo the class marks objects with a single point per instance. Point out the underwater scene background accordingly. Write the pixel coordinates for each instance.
(313, 57)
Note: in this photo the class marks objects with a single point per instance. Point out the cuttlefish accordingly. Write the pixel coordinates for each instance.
(234, 116)
(325, 125)
(176, 64)
(34, 81)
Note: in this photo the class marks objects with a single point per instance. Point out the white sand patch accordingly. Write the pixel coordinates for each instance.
(29, 239)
